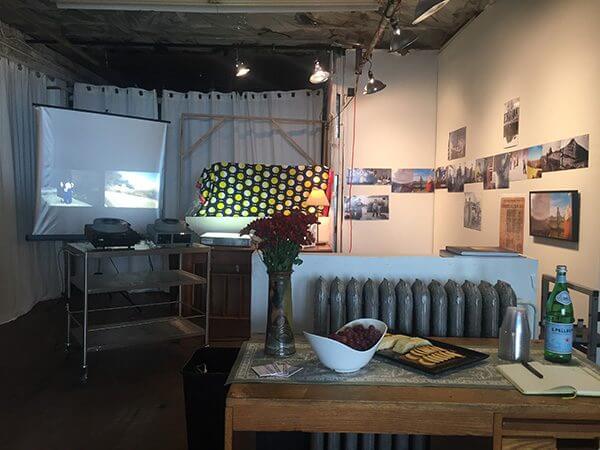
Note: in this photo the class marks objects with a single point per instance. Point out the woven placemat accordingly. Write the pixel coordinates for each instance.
(378, 372)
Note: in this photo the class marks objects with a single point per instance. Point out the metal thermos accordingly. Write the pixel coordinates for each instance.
(514, 335)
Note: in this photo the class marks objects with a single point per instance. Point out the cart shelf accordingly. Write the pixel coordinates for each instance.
(128, 281)
(139, 332)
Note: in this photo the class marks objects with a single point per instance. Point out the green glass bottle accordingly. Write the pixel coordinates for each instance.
(558, 345)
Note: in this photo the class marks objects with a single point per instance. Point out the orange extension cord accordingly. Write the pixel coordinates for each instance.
(352, 164)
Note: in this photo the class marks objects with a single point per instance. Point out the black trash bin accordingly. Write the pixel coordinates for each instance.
(204, 388)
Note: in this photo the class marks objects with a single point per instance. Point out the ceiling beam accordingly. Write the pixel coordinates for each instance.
(96, 43)
(223, 6)
(390, 11)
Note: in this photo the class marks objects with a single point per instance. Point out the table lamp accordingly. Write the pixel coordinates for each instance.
(317, 198)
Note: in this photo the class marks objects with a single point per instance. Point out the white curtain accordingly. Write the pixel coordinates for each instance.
(111, 99)
(28, 270)
(240, 140)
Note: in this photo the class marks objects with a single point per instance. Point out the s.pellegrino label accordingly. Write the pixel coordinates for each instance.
(559, 338)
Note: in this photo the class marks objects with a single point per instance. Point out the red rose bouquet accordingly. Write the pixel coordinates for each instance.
(279, 238)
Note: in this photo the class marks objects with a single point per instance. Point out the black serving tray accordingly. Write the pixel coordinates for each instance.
(471, 358)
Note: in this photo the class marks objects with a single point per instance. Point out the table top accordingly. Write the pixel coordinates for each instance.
(415, 398)
(143, 248)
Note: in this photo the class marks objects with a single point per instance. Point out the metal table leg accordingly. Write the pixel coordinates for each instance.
(68, 294)
(180, 288)
(207, 305)
(84, 371)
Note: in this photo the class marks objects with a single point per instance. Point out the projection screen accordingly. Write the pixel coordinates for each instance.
(92, 165)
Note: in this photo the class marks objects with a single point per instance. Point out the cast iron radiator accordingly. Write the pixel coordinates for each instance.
(434, 309)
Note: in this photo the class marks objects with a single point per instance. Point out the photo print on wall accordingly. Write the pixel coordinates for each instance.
(472, 211)
(455, 178)
(501, 170)
(488, 173)
(457, 143)
(440, 178)
(512, 218)
(534, 162)
(367, 207)
(412, 180)
(471, 172)
(572, 153)
(479, 170)
(511, 122)
(369, 177)
(554, 215)
(518, 165)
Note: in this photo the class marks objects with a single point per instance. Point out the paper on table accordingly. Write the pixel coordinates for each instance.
(283, 370)
(558, 380)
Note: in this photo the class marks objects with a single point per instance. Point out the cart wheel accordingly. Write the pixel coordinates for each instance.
(83, 378)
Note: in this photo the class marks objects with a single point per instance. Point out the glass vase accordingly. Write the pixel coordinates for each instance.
(279, 341)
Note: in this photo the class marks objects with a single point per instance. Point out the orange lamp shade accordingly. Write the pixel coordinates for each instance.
(317, 197)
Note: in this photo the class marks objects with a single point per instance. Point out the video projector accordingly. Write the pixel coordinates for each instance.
(109, 232)
(169, 232)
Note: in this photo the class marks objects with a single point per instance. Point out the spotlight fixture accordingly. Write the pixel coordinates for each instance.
(373, 85)
(401, 39)
(427, 8)
(241, 69)
(319, 74)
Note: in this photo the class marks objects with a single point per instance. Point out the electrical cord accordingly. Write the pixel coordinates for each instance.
(352, 162)
(114, 265)
(60, 271)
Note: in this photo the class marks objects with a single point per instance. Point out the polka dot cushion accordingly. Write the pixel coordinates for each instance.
(257, 190)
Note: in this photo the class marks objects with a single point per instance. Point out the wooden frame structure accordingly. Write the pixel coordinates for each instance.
(219, 121)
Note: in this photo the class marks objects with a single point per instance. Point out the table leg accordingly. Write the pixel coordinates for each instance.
(180, 288)
(84, 373)
(207, 304)
(67, 280)
(228, 429)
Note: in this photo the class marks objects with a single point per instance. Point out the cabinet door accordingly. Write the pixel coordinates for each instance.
(230, 290)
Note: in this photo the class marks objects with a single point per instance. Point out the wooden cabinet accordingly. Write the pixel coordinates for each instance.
(230, 292)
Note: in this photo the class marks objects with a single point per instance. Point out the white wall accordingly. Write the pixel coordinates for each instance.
(394, 129)
(547, 52)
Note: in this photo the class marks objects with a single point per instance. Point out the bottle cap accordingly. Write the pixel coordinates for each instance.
(561, 268)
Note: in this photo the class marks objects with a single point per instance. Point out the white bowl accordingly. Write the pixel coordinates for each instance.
(340, 357)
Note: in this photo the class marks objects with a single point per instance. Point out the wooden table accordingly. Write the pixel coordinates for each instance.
(514, 420)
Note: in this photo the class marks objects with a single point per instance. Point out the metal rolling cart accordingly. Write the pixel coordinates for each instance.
(133, 332)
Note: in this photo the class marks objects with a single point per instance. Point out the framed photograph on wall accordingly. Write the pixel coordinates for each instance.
(554, 215)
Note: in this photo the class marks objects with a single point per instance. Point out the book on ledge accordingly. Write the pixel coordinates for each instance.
(480, 251)
(558, 380)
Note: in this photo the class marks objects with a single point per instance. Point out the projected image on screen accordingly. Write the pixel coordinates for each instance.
(131, 189)
(72, 188)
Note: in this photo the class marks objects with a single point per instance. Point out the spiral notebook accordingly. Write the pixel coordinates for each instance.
(558, 380)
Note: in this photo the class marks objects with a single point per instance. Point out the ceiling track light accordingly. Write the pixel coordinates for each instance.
(319, 74)
(241, 68)
(427, 8)
(373, 85)
(401, 39)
